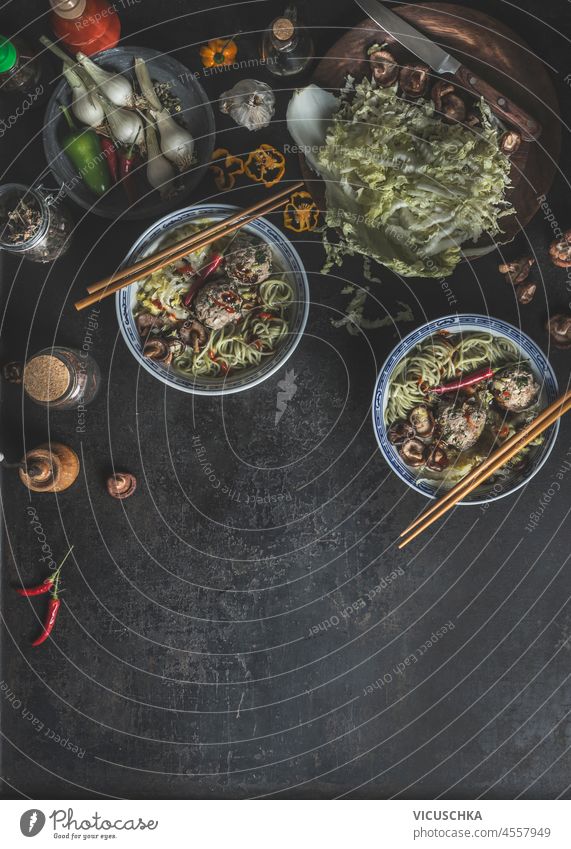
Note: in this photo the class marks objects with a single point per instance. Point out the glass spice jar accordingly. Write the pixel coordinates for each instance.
(62, 378)
(287, 46)
(33, 223)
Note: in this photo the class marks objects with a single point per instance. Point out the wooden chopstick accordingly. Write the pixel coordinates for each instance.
(476, 472)
(178, 254)
(482, 472)
(189, 242)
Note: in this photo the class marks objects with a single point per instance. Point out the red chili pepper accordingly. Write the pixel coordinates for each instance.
(51, 584)
(45, 586)
(266, 315)
(40, 589)
(50, 621)
(469, 380)
(110, 153)
(127, 161)
(201, 278)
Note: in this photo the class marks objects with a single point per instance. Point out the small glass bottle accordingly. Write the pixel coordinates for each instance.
(86, 25)
(61, 378)
(20, 68)
(287, 46)
(33, 223)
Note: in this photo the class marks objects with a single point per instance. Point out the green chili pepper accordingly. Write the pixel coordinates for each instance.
(84, 149)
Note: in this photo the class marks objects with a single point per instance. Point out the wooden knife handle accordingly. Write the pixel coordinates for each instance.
(500, 104)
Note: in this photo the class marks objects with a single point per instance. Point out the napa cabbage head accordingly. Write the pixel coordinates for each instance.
(405, 188)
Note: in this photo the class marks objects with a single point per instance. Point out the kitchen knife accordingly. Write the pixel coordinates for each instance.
(443, 63)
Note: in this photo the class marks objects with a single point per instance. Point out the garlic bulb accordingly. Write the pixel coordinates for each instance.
(114, 86)
(250, 103)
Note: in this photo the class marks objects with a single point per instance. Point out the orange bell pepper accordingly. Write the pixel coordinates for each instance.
(218, 52)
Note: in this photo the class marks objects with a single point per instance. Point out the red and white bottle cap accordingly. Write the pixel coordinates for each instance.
(68, 9)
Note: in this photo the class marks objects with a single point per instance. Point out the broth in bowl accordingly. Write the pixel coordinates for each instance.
(454, 399)
(451, 393)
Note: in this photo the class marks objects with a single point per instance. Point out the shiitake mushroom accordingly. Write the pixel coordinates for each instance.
(422, 421)
(559, 327)
(413, 80)
(399, 431)
(413, 452)
(193, 333)
(437, 459)
(517, 270)
(447, 102)
(510, 142)
(385, 67)
(560, 251)
(146, 322)
(158, 350)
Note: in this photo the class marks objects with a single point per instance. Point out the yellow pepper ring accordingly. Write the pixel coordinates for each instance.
(301, 213)
(225, 174)
(266, 160)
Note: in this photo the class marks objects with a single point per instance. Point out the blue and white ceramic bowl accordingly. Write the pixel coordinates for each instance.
(457, 324)
(286, 259)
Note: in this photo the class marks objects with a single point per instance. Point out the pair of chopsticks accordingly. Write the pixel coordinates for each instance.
(488, 467)
(109, 285)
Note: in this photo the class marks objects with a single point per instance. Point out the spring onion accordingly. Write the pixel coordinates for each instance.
(116, 88)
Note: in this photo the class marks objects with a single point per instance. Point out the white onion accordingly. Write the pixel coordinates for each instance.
(309, 114)
(160, 171)
(114, 86)
(86, 106)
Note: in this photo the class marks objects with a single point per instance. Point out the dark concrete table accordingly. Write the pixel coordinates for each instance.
(245, 632)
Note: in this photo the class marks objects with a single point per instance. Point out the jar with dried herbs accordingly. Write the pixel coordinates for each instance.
(20, 68)
(33, 223)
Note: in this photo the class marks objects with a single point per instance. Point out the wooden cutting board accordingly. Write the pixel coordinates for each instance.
(498, 55)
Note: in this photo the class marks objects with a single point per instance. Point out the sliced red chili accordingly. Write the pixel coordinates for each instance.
(201, 279)
(224, 368)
